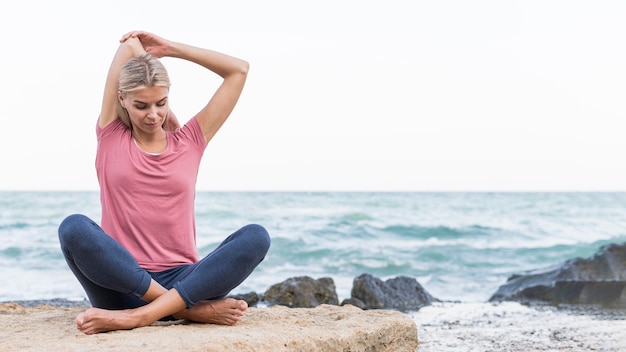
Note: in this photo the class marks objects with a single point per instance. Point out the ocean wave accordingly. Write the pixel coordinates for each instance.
(460, 245)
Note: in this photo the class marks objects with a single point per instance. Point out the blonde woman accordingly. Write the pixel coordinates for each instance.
(141, 263)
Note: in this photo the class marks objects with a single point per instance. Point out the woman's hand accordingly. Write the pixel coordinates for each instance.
(135, 46)
(151, 43)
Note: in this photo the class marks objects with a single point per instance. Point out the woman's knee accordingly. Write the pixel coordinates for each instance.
(259, 232)
(258, 236)
(72, 226)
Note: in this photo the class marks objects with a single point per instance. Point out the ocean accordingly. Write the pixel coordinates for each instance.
(459, 246)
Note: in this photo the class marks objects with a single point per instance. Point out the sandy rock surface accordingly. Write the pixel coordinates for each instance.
(277, 328)
(444, 326)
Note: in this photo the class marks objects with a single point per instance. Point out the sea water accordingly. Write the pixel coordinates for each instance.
(459, 246)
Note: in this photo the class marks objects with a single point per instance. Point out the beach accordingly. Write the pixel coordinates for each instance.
(459, 246)
(444, 326)
(510, 326)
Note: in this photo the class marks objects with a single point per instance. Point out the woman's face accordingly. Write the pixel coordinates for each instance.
(147, 108)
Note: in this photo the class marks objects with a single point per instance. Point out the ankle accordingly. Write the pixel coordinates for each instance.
(183, 314)
(140, 318)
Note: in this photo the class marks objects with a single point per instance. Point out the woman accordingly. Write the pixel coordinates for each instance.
(142, 265)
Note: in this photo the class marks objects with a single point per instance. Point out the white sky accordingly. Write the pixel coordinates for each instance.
(342, 95)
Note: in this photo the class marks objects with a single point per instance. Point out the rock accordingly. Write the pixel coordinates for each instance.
(401, 293)
(327, 328)
(55, 302)
(302, 292)
(252, 298)
(353, 302)
(600, 280)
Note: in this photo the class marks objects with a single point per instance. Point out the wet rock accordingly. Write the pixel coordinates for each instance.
(599, 280)
(401, 293)
(302, 292)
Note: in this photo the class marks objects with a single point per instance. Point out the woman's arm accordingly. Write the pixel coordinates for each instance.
(234, 72)
(126, 51)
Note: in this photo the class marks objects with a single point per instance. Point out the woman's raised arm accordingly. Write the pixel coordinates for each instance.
(128, 48)
(233, 70)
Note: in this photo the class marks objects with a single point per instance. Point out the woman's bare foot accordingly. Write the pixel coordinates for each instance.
(96, 320)
(226, 311)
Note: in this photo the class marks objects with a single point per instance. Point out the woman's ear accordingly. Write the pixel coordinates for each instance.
(120, 97)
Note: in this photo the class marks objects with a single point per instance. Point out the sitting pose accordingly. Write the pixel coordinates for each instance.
(141, 264)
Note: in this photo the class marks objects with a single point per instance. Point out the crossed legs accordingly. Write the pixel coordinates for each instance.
(124, 296)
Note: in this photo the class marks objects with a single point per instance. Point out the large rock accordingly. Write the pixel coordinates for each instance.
(401, 293)
(325, 328)
(302, 292)
(600, 280)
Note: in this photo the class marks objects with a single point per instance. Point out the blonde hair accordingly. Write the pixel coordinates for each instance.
(140, 72)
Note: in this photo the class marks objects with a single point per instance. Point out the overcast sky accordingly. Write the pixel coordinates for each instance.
(342, 95)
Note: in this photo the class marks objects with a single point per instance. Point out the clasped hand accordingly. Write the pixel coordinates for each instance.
(151, 43)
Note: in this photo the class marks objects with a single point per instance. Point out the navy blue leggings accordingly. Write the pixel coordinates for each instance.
(112, 278)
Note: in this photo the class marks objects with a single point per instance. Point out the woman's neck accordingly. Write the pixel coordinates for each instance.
(151, 143)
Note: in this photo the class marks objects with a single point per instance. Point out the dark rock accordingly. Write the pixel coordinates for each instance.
(600, 280)
(302, 292)
(401, 293)
(55, 302)
(252, 298)
(354, 301)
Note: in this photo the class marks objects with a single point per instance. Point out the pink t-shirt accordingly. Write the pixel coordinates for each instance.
(148, 200)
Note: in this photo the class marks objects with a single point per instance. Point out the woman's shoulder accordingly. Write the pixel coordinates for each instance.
(115, 127)
(191, 131)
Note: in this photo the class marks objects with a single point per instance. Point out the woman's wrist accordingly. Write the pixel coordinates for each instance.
(134, 47)
(176, 50)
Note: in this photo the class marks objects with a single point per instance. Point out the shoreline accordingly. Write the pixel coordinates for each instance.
(511, 326)
(442, 326)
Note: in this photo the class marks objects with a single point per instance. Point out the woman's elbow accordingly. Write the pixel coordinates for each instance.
(244, 67)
